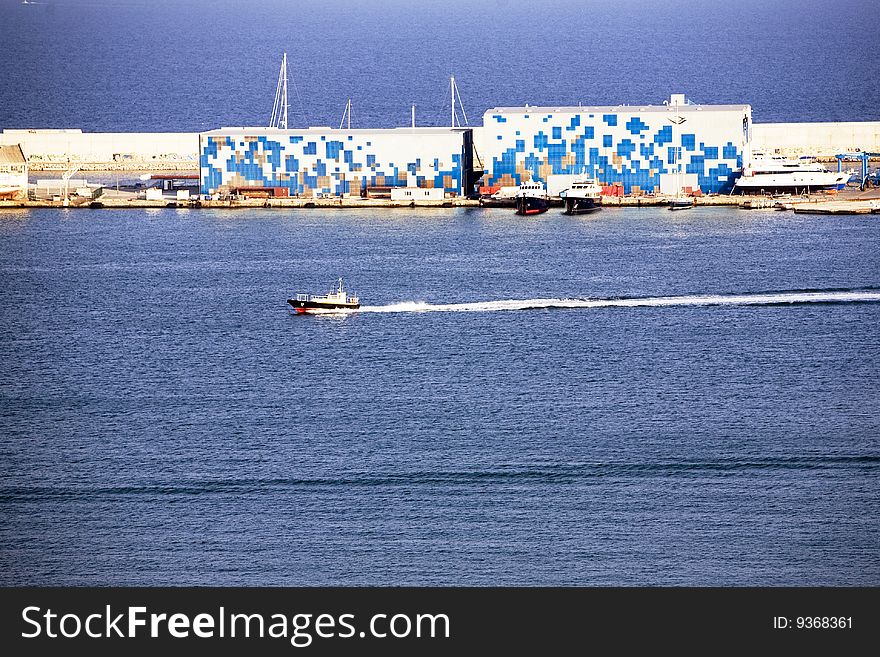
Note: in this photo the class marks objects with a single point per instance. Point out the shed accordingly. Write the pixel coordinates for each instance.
(13, 173)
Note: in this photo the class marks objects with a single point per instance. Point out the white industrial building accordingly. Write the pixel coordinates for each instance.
(816, 139)
(327, 161)
(51, 146)
(644, 148)
(13, 173)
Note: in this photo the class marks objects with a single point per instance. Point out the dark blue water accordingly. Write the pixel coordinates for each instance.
(165, 420)
(163, 65)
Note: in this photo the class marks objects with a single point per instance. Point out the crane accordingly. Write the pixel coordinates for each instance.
(863, 156)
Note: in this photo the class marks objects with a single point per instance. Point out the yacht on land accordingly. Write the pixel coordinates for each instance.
(766, 175)
(336, 299)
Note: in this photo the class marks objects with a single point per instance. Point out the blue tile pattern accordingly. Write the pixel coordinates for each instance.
(618, 145)
(345, 163)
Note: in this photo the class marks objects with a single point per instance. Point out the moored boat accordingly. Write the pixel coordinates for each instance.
(582, 197)
(336, 299)
(504, 197)
(681, 203)
(531, 198)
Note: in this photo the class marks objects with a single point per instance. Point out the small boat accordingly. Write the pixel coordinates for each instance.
(582, 197)
(681, 203)
(531, 198)
(336, 299)
(503, 197)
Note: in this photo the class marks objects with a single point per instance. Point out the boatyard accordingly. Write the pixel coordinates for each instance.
(850, 201)
(500, 314)
(676, 153)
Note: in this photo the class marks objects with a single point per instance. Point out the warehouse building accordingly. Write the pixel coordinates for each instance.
(13, 173)
(646, 149)
(74, 145)
(327, 161)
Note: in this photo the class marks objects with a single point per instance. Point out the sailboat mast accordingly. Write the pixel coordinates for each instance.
(452, 93)
(279, 109)
(284, 72)
(346, 113)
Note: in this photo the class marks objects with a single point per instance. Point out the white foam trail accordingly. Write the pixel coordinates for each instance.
(689, 300)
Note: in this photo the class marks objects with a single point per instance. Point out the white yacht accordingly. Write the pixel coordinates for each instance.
(768, 174)
(532, 189)
(584, 195)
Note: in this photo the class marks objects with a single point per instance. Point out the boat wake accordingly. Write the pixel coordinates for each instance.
(794, 297)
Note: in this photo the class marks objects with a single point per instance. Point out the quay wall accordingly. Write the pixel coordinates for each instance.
(817, 139)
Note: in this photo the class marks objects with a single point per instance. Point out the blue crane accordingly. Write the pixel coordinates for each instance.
(860, 155)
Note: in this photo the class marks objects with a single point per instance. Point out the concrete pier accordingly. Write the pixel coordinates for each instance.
(294, 203)
(849, 201)
(344, 203)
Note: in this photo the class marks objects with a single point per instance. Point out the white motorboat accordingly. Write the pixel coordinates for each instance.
(584, 195)
(336, 299)
(770, 174)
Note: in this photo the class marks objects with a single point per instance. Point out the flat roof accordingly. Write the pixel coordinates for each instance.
(612, 109)
(258, 131)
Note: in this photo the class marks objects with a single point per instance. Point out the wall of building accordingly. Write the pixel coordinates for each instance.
(13, 181)
(631, 145)
(78, 146)
(13, 173)
(330, 161)
(818, 139)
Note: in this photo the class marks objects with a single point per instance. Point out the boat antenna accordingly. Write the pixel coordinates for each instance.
(279, 109)
(413, 116)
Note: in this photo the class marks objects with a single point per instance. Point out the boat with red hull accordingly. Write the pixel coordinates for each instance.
(528, 205)
(531, 198)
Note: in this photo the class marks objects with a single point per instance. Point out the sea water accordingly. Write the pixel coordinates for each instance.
(167, 66)
(634, 397)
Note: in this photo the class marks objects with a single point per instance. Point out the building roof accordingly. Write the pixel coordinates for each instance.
(12, 155)
(613, 109)
(259, 131)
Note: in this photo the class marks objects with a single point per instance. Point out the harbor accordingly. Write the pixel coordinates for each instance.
(676, 153)
(371, 307)
(848, 201)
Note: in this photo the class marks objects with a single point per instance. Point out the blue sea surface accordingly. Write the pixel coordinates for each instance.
(165, 420)
(166, 66)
